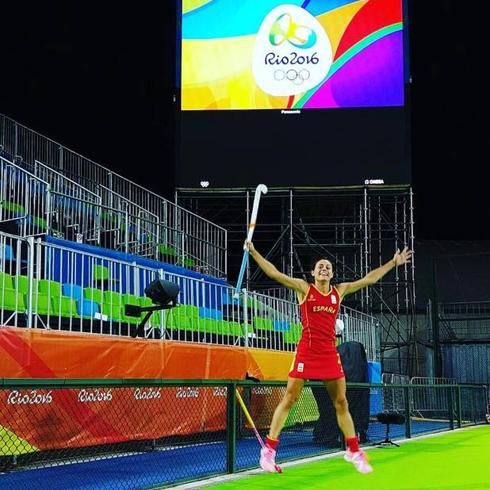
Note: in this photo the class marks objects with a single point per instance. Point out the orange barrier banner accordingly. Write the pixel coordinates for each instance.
(34, 353)
(68, 418)
(44, 419)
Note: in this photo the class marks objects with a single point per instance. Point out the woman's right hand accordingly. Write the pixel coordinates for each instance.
(250, 247)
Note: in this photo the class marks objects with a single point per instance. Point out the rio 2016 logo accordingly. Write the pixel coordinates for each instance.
(286, 29)
(292, 52)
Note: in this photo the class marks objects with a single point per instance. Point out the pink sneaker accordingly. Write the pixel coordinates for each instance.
(268, 460)
(359, 460)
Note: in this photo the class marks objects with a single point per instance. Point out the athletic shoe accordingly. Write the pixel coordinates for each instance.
(359, 460)
(268, 459)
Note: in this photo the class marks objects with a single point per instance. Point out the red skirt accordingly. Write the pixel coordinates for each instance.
(319, 365)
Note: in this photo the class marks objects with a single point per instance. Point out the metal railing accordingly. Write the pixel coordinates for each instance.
(427, 399)
(202, 239)
(61, 207)
(466, 320)
(24, 200)
(55, 287)
(362, 328)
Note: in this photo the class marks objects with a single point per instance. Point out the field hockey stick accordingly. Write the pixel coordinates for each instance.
(261, 189)
(251, 422)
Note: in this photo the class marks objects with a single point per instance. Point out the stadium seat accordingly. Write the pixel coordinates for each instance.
(6, 281)
(51, 288)
(15, 210)
(94, 294)
(41, 303)
(281, 326)
(10, 300)
(263, 324)
(100, 273)
(87, 308)
(72, 291)
(65, 307)
(233, 328)
(21, 283)
(210, 313)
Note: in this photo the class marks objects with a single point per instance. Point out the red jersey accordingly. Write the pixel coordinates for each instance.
(318, 314)
(316, 355)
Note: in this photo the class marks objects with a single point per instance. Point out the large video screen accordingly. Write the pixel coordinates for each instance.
(298, 93)
(308, 54)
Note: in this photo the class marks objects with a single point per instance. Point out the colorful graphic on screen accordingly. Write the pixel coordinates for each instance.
(303, 54)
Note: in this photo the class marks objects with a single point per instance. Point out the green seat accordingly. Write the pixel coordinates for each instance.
(51, 288)
(112, 311)
(112, 306)
(109, 217)
(144, 301)
(65, 307)
(177, 318)
(40, 222)
(189, 262)
(131, 299)
(21, 283)
(232, 328)
(41, 304)
(263, 324)
(94, 294)
(100, 272)
(190, 311)
(6, 281)
(13, 207)
(209, 325)
(293, 335)
(10, 300)
(167, 250)
(113, 298)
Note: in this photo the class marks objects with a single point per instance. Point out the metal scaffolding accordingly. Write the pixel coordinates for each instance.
(357, 228)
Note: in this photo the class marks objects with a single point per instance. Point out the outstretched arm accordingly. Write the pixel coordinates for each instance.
(375, 275)
(298, 285)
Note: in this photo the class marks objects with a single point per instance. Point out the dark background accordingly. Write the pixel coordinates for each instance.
(99, 77)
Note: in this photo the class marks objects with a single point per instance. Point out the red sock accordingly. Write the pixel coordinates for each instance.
(272, 443)
(353, 444)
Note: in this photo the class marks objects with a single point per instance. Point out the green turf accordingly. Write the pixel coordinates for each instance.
(456, 461)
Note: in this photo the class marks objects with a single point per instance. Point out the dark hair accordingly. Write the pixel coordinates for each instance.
(315, 261)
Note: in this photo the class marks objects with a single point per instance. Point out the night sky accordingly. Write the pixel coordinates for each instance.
(99, 77)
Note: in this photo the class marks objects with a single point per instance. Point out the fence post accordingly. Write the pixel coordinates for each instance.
(245, 315)
(458, 406)
(408, 423)
(231, 428)
(30, 276)
(450, 402)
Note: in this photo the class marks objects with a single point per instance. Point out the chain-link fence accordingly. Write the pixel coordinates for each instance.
(139, 434)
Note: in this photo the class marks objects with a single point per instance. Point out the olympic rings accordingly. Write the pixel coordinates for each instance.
(297, 77)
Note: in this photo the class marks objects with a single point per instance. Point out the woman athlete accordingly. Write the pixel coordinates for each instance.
(316, 354)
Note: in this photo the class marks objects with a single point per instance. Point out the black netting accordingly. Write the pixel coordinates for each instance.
(116, 436)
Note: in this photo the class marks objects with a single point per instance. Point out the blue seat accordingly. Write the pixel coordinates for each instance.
(228, 299)
(210, 313)
(7, 252)
(73, 291)
(87, 308)
(281, 326)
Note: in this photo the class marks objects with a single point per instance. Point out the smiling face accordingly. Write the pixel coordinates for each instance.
(323, 271)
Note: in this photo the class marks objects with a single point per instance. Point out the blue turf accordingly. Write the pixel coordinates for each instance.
(170, 465)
